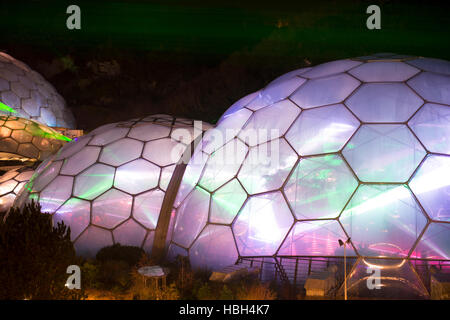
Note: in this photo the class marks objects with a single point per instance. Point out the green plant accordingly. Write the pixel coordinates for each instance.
(34, 256)
(256, 291)
(226, 293)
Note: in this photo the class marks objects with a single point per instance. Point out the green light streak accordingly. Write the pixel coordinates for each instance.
(37, 131)
(5, 108)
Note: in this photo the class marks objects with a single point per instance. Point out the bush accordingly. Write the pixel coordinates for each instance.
(256, 291)
(34, 256)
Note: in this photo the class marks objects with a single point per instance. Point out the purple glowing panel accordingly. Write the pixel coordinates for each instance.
(435, 243)
(330, 68)
(92, 240)
(111, 208)
(432, 87)
(129, 233)
(384, 71)
(55, 194)
(262, 224)
(315, 238)
(383, 220)
(75, 213)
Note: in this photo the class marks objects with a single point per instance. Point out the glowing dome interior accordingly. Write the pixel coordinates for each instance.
(30, 95)
(11, 183)
(109, 185)
(355, 148)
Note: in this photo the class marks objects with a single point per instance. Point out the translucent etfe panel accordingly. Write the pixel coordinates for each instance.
(45, 176)
(267, 123)
(92, 240)
(93, 181)
(147, 206)
(80, 160)
(315, 238)
(383, 153)
(320, 187)
(174, 251)
(111, 208)
(214, 248)
(166, 176)
(191, 175)
(55, 194)
(129, 233)
(121, 151)
(267, 166)
(431, 185)
(226, 202)
(137, 176)
(226, 130)
(262, 224)
(275, 92)
(432, 126)
(163, 152)
(329, 68)
(109, 136)
(379, 71)
(7, 186)
(289, 75)
(384, 102)
(8, 176)
(148, 244)
(324, 91)
(7, 201)
(435, 243)
(433, 65)
(148, 131)
(322, 130)
(191, 217)
(432, 87)
(76, 214)
(223, 165)
(238, 105)
(72, 147)
(383, 220)
(397, 280)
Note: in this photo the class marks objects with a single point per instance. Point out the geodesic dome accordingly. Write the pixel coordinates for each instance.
(23, 139)
(11, 183)
(355, 148)
(109, 185)
(27, 92)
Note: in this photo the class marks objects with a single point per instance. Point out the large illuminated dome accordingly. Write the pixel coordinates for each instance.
(30, 95)
(110, 184)
(355, 148)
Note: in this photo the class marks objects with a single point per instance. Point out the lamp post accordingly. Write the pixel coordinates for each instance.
(342, 243)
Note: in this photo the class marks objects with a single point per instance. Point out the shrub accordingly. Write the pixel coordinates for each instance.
(256, 291)
(34, 256)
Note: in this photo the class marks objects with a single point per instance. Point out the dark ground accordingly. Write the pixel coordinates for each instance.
(195, 58)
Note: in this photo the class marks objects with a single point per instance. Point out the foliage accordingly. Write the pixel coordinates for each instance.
(34, 256)
(129, 254)
(256, 291)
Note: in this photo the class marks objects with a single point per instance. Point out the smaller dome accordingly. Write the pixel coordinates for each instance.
(11, 183)
(27, 140)
(30, 95)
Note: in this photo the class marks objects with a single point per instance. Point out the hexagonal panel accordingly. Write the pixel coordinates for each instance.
(432, 87)
(384, 153)
(147, 206)
(93, 181)
(148, 244)
(379, 71)
(275, 92)
(137, 176)
(111, 208)
(320, 187)
(267, 166)
(55, 194)
(21, 136)
(238, 105)
(384, 102)
(191, 217)
(76, 214)
(432, 126)
(433, 65)
(262, 224)
(72, 147)
(322, 130)
(148, 131)
(324, 91)
(163, 152)
(223, 165)
(80, 160)
(108, 136)
(434, 243)
(315, 238)
(7, 186)
(266, 123)
(129, 234)
(226, 202)
(49, 172)
(214, 248)
(330, 68)
(383, 220)
(166, 176)
(431, 185)
(121, 151)
(92, 240)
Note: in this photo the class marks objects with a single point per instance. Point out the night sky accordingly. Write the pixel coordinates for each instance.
(195, 58)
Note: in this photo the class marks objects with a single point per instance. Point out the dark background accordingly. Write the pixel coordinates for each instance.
(195, 58)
